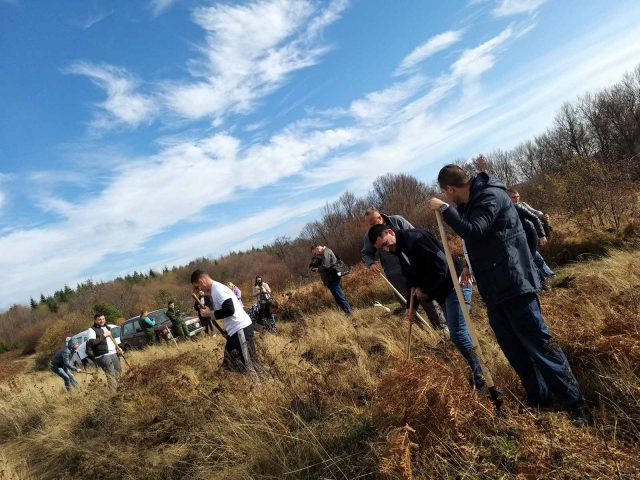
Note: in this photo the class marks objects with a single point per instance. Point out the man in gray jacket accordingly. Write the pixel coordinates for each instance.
(61, 364)
(391, 264)
(326, 265)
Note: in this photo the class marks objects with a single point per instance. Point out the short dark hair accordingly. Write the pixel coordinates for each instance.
(512, 191)
(452, 176)
(197, 275)
(98, 315)
(379, 230)
(314, 246)
(170, 302)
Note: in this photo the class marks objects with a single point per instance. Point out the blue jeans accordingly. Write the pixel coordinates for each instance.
(542, 265)
(459, 332)
(66, 375)
(335, 287)
(532, 351)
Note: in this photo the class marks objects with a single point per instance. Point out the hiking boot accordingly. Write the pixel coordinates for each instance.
(579, 415)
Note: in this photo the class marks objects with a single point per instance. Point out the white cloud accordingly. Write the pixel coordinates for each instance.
(250, 51)
(123, 106)
(506, 8)
(158, 7)
(475, 61)
(430, 47)
(90, 20)
(3, 199)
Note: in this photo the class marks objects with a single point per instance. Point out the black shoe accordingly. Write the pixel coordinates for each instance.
(579, 415)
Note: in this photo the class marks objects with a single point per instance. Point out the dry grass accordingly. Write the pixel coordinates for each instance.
(339, 402)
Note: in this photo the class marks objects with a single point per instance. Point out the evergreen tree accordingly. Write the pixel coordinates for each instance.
(33, 303)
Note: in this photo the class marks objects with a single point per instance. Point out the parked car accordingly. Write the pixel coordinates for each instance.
(132, 336)
(80, 356)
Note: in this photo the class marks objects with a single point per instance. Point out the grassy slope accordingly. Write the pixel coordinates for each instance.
(342, 404)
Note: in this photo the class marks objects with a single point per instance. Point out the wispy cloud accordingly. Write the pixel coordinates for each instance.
(158, 7)
(123, 106)
(506, 8)
(475, 61)
(90, 20)
(250, 51)
(430, 47)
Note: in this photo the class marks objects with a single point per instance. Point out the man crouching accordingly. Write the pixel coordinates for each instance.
(240, 351)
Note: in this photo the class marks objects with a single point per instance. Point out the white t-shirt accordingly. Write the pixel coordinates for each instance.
(110, 344)
(240, 319)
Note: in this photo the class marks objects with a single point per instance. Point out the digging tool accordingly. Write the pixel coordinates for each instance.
(213, 320)
(121, 353)
(496, 395)
(411, 313)
(405, 302)
(86, 373)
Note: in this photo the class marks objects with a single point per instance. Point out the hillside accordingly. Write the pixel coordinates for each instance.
(340, 402)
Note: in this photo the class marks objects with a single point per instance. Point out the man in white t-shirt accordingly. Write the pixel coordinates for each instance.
(103, 350)
(240, 351)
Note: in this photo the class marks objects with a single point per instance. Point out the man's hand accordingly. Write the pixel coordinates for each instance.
(108, 334)
(418, 293)
(465, 277)
(542, 241)
(119, 350)
(435, 203)
(205, 312)
(374, 268)
(314, 269)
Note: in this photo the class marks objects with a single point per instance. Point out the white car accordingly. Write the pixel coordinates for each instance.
(80, 356)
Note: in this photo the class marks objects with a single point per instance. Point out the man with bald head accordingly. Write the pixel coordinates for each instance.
(391, 264)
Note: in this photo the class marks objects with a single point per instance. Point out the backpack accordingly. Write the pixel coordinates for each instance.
(341, 268)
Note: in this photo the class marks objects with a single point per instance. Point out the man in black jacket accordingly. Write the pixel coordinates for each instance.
(204, 321)
(424, 265)
(508, 281)
(103, 350)
(391, 265)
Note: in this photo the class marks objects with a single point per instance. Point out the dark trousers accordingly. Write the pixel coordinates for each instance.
(207, 323)
(181, 330)
(240, 350)
(66, 375)
(433, 311)
(335, 287)
(149, 336)
(532, 351)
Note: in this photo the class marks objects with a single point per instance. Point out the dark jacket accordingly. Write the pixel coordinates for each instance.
(424, 263)
(530, 220)
(96, 347)
(389, 262)
(495, 241)
(62, 359)
(207, 303)
(328, 262)
(175, 316)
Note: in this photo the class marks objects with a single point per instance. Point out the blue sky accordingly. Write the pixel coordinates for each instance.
(141, 134)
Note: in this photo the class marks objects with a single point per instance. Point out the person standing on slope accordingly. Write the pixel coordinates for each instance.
(61, 364)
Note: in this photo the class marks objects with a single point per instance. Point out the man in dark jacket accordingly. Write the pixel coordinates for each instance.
(103, 349)
(327, 262)
(508, 281)
(424, 265)
(179, 327)
(61, 364)
(391, 265)
(206, 322)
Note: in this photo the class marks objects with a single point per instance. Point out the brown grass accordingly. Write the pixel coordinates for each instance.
(340, 402)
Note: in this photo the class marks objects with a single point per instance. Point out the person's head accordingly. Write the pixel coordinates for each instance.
(454, 184)
(513, 195)
(231, 285)
(273, 306)
(258, 280)
(373, 217)
(201, 293)
(171, 304)
(317, 249)
(382, 237)
(201, 280)
(144, 313)
(99, 319)
(73, 344)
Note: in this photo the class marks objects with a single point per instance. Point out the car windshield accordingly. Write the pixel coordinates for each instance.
(158, 316)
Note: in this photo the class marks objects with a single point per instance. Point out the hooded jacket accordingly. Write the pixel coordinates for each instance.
(389, 262)
(424, 263)
(495, 241)
(62, 358)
